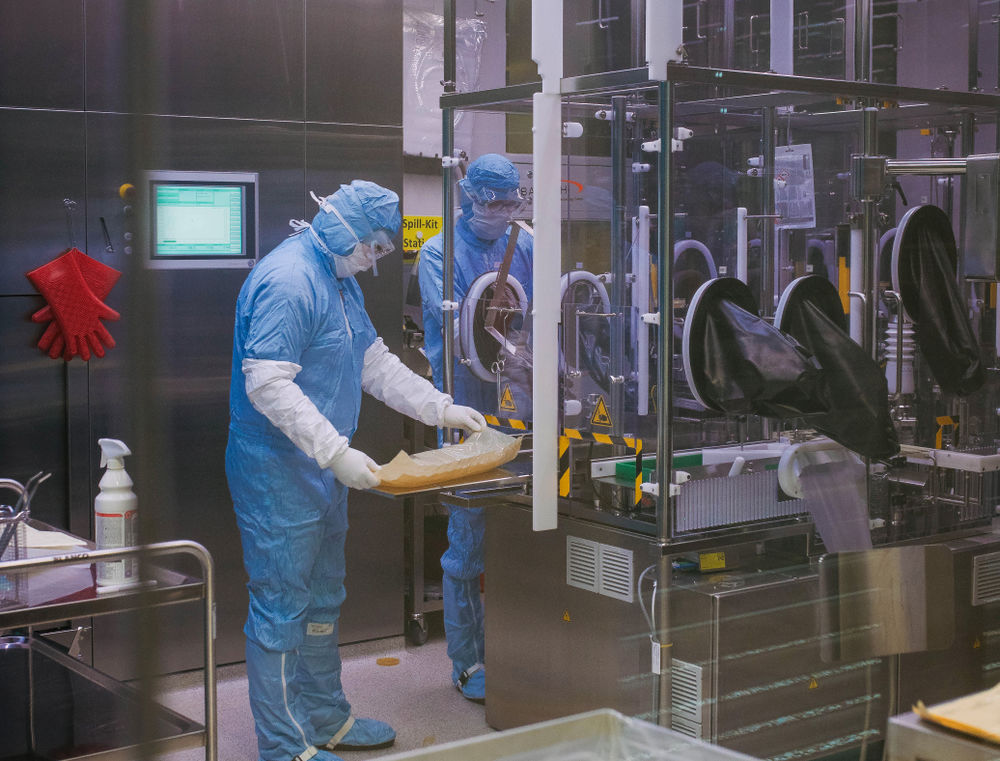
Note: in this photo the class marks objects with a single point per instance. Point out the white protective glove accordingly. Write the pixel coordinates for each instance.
(271, 388)
(355, 469)
(457, 416)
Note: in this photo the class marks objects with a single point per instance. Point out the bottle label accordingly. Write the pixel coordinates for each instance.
(113, 530)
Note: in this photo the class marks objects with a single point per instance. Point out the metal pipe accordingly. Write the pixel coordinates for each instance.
(665, 335)
(618, 244)
(863, 40)
(742, 260)
(899, 339)
(767, 237)
(450, 62)
(448, 231)
(447, 202)
(925, 166)
(869, 253)
(640, 303)
(973, 52)
(664, 395)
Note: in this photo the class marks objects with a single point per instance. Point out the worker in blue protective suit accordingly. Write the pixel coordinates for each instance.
(303, 351)
(490, 196)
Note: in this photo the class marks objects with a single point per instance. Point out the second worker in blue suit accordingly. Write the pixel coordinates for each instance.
(490, 196)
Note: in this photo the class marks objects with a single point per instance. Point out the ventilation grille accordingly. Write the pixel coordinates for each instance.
(685, 727)
(581, 563)
(615, 578)
(686, 697)
(986, 578)
(600, 568)
(710, 502)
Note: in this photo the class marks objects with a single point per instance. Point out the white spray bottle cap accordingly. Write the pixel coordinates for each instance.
(112, 452)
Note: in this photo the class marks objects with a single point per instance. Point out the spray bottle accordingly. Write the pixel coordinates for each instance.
(115, 515)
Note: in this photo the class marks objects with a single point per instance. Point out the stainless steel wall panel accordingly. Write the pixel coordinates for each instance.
(227, 87)
(41, 164)
(221, 58)
(774, 694)
(553, 649)
(374, 606)
(32, 412)
(353, 67)
(194, 333)
(41, 53)
(971, 663)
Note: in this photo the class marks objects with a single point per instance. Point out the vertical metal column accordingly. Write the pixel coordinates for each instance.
(618, 240)
(767, 237)
(869, 245)
(664, 391)
(973, 62)
(728, 35)
(863, 40)
(142, 368)
(447, 149)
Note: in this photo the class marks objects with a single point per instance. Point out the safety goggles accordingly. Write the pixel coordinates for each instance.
(509, 200)
(380, 243)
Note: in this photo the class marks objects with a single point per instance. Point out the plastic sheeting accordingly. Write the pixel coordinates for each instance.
(479, 453)
(853, 385)
(925, 262)
(423, 46)
(738, 363)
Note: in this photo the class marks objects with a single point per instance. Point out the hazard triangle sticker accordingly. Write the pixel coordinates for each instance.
(601, 416)
(507, 401)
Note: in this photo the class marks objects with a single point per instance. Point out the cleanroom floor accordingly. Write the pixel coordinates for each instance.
(416, 697)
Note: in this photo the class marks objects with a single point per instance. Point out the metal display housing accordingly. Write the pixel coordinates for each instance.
(249, 214)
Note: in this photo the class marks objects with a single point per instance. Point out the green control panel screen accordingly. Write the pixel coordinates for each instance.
(191, 220)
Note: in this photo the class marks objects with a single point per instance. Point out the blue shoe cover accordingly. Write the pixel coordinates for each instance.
(363, 734)
(325, 755)
(473, 685)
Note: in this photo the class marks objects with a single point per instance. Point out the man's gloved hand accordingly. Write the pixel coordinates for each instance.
(355, 469)
(457, 416)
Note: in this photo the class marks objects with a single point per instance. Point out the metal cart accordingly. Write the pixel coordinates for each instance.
(85, 712)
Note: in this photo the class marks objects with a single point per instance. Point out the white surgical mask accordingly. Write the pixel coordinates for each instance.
(487, 223)
(360, 259)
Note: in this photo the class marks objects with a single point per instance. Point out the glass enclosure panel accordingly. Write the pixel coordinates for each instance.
(778, 187)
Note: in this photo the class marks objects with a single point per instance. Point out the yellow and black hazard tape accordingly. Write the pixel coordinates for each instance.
(506, 422)
(601, 438)
(570, 434)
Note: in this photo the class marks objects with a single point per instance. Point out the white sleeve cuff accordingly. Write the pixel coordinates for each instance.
(271, 389)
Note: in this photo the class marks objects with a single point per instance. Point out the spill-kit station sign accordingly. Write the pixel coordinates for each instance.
(418, 230)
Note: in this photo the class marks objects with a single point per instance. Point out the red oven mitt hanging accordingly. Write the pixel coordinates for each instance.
(77, 311)
(99, 277)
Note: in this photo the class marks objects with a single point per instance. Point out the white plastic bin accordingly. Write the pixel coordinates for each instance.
(602, 735)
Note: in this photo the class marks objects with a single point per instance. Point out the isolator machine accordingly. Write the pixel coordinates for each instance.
(763, 385)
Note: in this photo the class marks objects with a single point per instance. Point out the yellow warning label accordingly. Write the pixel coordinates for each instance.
(566, 617)
(813, 684)
(601, 416)
(507, 400)
(418, 230)
(977, 644)
(712, 561)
